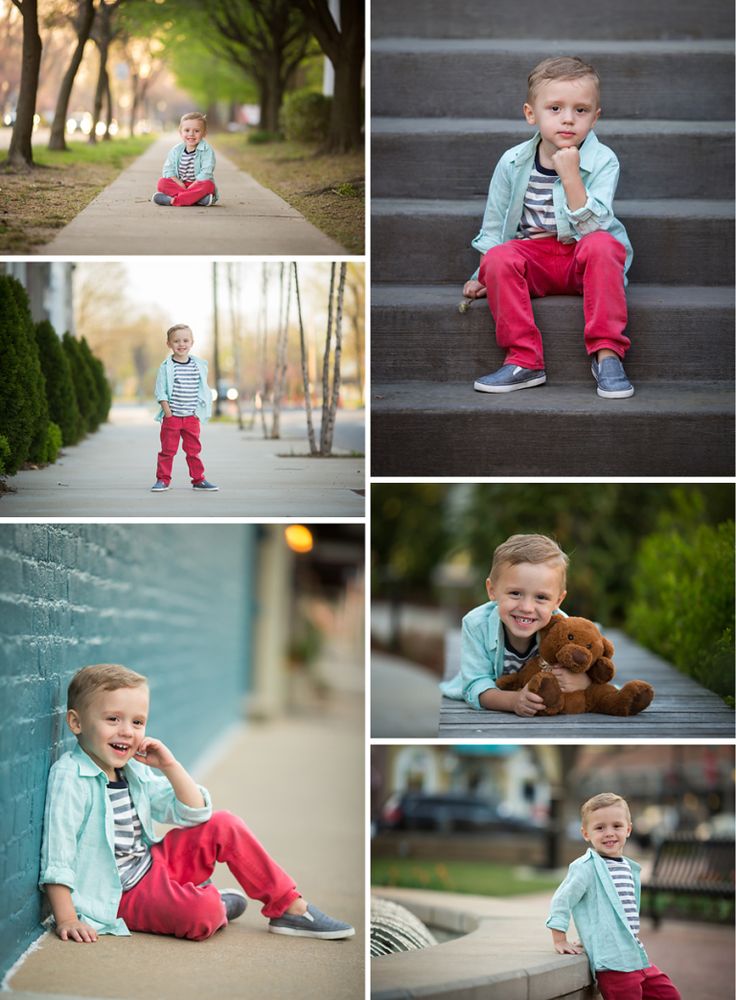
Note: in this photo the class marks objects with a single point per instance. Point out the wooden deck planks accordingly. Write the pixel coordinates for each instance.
(681, 707)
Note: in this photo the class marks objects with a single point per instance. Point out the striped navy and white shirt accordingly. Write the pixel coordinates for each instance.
(538, 215)
(513, 661)
(185, 393)
(132, 854)
(186, 165)
(623, 882)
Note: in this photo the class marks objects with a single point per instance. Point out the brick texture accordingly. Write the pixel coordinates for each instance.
(172, 602)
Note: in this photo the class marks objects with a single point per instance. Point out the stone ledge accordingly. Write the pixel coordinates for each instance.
(505, 953)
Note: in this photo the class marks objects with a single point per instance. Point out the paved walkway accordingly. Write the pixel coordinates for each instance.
(506, 943)
(681, 707)
(299, 784)
(248, 219)
(404, 699)
(110, 474)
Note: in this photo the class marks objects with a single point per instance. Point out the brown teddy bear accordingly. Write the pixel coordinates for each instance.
(577, 644)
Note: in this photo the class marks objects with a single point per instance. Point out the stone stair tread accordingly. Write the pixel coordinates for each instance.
(389, 125)
(552, 46)
(685, 208)
(449, 295)
(554, 398)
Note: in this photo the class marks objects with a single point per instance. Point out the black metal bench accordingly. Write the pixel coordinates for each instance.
(686, 866)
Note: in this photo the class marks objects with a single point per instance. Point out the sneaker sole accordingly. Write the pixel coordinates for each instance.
(161, 490)
(481, 387)
(199, 489)
(325, 935)
(621, 394)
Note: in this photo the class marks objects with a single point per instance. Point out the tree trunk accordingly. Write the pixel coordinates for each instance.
(355, 318)
(305, 373)
(108, 107)
(99, 91)
(279, 378)
(20, 153)
(58, 128)
(346, 118)
(330, 432)
(326, 365)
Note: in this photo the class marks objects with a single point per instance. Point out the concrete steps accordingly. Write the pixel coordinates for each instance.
(411, 156)
(449, 80)
(447, 429)
(417, 333)
(676, 241)
(485, 77)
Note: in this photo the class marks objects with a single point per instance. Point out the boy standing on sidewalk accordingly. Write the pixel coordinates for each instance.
(182, 391)
(549, 229)
(602, 893)
(102, 866)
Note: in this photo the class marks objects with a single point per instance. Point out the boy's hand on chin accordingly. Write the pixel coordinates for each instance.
(566, 161)
(154, 753)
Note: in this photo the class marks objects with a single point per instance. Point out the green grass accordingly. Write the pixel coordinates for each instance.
(117, 152)
(474, 877)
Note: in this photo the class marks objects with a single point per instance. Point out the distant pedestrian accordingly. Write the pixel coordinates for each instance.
(549, 229)
(602, 892)
(189, 170)
(103, 868)
(185, 398)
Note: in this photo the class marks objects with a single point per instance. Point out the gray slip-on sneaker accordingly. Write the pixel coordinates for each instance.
(611, 379)
(510, 377)
(205, 487)
(235, 901)
(159, 486)
(161, 199)
(313, 923)
(206, 201)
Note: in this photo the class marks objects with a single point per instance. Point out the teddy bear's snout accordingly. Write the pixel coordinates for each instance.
(580, 656)
(574, 657)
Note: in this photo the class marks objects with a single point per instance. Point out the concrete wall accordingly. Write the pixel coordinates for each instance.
(172, 602)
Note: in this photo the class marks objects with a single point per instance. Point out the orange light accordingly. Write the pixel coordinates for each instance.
(299, 538)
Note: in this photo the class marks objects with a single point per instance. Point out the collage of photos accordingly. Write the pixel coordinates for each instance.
(433, 694)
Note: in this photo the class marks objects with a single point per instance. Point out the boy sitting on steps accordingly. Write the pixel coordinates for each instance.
(549, 229)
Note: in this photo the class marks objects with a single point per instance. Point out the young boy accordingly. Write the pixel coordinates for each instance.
(602, 892)
(103, 868)
(549, 229)
(525, 587)
(182, 391)
(189, 170)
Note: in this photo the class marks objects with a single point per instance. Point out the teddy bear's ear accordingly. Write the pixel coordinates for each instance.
(607, 647)
(554, 620)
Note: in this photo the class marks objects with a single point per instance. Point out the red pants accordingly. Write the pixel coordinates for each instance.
(169, 899)
(187, 195)
(172, 428)
(517, 271)
(646, 984)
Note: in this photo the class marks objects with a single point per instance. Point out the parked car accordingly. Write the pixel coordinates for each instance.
(447, 812)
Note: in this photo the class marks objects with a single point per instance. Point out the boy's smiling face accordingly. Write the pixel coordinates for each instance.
(564, 111)
(607, 830)
(192, 132)
(181, 343)
(527, 594)
(111, 725)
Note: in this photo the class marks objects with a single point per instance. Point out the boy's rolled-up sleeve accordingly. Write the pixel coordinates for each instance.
(166, 808)
(161, 391)
(597, 212)
(568, 894)
(474, 665)
(65, 812)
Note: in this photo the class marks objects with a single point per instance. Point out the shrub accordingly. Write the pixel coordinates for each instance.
(62, 399)
(30, 374)
(84, 383)
(4, 454)
(683, 601)
(260, 137)
(305, 116)
(53, 441)
(102, 386)
(16, 402)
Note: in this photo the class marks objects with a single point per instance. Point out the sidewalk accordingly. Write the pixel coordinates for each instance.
(248, 218)
(111, 472)
(309, 769)
(505, 940)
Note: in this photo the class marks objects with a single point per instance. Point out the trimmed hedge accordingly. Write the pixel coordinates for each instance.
(103, 395)
(84, 382)
(305, 116)
(62, 399)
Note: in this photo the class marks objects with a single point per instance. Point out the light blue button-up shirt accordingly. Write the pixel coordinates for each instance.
(599, 171)
(165, 387)
(79, 831)
(204, 162)
(589, 895)
(481, 655)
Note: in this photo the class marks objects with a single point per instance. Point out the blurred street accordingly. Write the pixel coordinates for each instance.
(298, 782)
(111, 472)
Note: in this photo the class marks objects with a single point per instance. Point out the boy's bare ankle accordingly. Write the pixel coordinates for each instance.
(298, 907)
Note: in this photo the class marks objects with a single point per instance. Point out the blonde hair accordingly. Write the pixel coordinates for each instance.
(173, 329)
(100, 677)
(529, 549)
(194, 116)
(560, 68)
(602, 801)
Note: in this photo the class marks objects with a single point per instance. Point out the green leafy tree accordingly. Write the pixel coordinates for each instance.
(31, 375)
(60, 393)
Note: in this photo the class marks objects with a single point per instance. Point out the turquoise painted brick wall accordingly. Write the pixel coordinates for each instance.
(170, 601)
